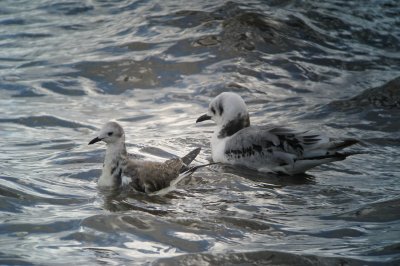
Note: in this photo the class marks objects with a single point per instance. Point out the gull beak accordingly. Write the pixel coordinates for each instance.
(96, 139)
(203, 118)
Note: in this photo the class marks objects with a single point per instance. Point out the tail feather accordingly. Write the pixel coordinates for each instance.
(338, 145)
(194, 168)
(188, 158)
(339, 156)
(304, 164)
(329, 148)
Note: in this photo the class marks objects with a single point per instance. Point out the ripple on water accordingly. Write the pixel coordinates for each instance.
(386, 97)
(68, 9)
(128, 229)
(64, 87)
(67, 67)
(256, 258)
(379, 212)
(45, 121)
(21, 90)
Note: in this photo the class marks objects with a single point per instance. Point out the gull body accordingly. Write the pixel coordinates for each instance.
(266, 148)
(145, 176)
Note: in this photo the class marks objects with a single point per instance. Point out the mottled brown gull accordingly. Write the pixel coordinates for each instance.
(145, 176)
(266, 148)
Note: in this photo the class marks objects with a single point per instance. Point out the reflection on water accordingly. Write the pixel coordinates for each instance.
(68, 67)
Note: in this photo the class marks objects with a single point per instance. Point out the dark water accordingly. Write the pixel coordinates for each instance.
(67, 67)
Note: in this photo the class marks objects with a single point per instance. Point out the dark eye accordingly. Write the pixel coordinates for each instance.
(109, 133)
(213, 110)
(221, 109)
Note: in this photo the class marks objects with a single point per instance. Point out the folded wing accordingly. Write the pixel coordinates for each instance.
(153, 176)
(282, 148)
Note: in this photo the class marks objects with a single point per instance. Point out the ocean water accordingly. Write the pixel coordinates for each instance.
(67, 67)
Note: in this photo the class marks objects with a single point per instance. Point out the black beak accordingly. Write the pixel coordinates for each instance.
(203, 118)
(96, 139)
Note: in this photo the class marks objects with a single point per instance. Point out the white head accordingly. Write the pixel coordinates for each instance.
(229, 112)
(110, 133)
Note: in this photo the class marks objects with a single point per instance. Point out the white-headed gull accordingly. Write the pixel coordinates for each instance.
(266, 148)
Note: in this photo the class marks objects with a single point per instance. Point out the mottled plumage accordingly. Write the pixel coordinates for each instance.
(146, 176)
(266, 148)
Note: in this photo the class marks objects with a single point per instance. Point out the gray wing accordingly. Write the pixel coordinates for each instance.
(278, 145)
(153, 176)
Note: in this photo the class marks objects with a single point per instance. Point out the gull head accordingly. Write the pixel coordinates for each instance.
(110, 133)
(227, 108)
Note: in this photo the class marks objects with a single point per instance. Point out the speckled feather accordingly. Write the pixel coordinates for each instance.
(145, 176)
(266, 148)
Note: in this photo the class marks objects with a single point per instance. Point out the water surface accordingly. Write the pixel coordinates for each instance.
(67, 67)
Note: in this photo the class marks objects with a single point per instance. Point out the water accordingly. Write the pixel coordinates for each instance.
(67, 67)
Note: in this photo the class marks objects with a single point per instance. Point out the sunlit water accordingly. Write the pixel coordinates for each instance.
(67, 67)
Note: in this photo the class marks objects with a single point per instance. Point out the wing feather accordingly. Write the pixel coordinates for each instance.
(152, 176)
(278, 145)
(280, 149)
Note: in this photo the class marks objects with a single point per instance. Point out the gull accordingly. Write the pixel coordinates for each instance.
(145, 176)
(266, 148)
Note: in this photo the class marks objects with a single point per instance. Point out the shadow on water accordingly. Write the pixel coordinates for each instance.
(267, 179)
(127, 199)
